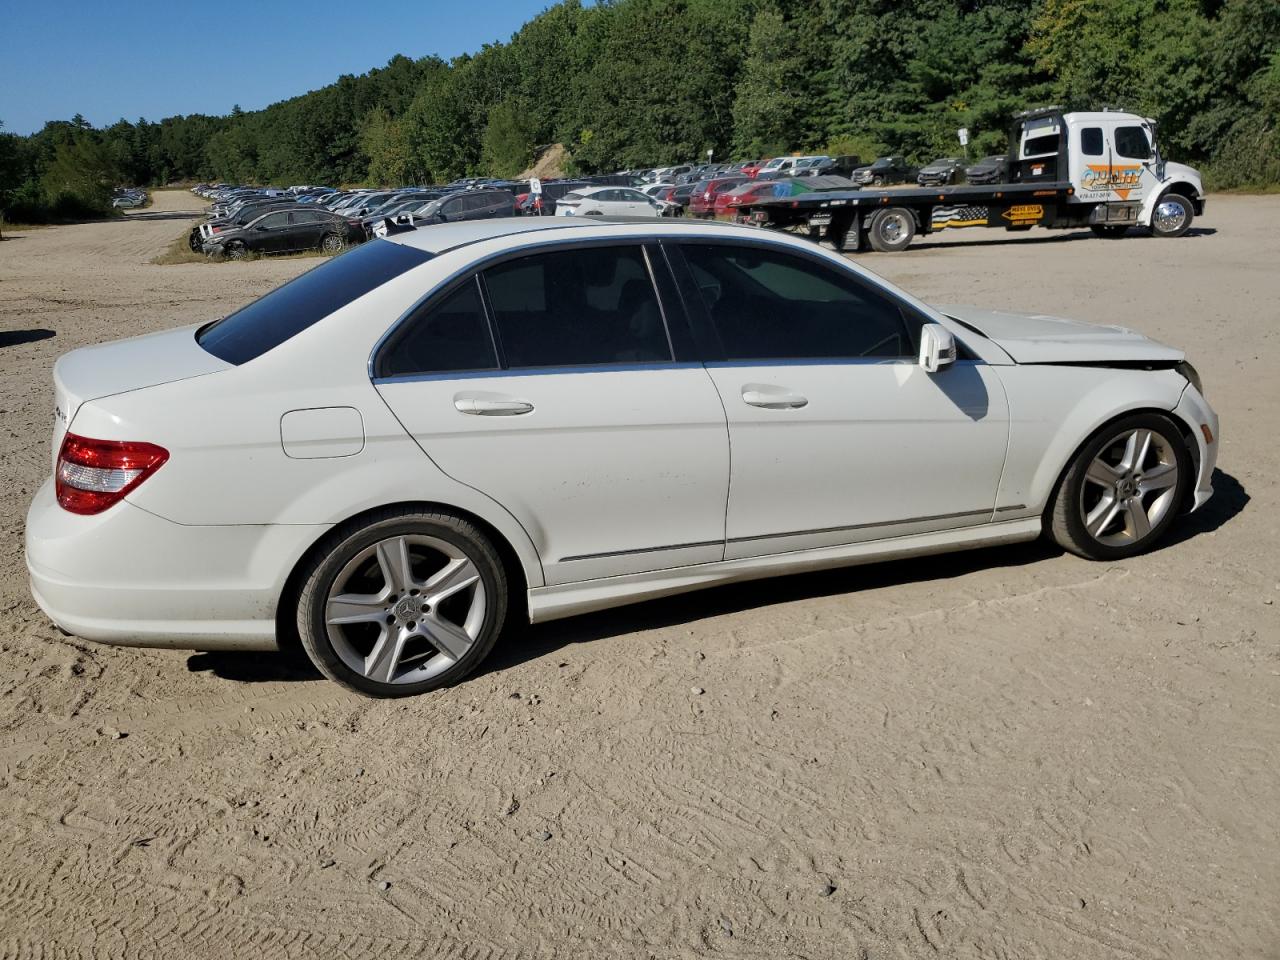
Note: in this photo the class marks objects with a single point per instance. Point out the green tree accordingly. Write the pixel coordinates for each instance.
(770, 90)
(507, 145)
(384, 142)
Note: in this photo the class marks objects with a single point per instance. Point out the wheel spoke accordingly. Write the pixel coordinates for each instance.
(1135, 450)
(384, 658)
(355, 608)
(1102, 515)
(456, 575)
(1160, 478)
(1102, 473)
(449, 639)
(393, 559)
(1136, 520)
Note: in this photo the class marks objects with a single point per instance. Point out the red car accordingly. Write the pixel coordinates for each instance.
(727, 203)
(702, 202)
(751, 169)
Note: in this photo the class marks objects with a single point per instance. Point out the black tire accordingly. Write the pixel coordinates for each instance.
(345, 545)
(891, 229)
(235, 250)
(877, 181)
(1071, 502)
(194, 240)
(1109, 231)
(332, 243)
(1172, 216)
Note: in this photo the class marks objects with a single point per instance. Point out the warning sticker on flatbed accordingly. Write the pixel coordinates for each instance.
(1024, 213)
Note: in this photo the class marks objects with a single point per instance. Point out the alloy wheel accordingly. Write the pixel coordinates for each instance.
(405, 609)
(1129, 487)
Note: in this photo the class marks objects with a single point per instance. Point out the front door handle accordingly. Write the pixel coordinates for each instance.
(491, 406)
(772, 398)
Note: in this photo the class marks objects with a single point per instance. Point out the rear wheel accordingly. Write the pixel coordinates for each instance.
(235, 250)
(1122, 490)
(891, 229)
(1109, 231)
(1172, 216)
(332, 243)
(408, 602)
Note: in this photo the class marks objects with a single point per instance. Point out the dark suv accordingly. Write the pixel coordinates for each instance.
(883, 171)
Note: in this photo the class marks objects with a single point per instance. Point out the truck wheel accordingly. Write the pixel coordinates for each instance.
(1172, 216)
(1109, 231)
(892, 229)
(877, 181)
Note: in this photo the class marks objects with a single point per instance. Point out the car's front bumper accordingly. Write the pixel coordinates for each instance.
(1196, 413)
(127, 576)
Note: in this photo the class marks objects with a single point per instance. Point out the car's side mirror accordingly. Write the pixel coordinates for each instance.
(937, 347)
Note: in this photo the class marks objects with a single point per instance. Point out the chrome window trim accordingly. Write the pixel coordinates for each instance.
(629, 367)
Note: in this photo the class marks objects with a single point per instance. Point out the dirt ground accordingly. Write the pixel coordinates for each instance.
(1011, 753)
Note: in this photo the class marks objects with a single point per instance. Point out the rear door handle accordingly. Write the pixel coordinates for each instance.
(772, 398)
(491, 406)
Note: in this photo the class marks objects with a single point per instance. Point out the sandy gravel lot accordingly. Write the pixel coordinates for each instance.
(1007, 754)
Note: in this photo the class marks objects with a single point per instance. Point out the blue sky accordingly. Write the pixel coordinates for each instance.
(145, 58)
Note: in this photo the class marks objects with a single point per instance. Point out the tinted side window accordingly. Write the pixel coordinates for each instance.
(771, 305)
(286, 311)
(274, 221)
(1132, 142)
(305, 216)
(1091, 141)
(572, 307)
(442, 337)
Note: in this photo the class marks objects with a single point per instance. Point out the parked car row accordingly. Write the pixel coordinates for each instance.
(247, 219)
(127, 198)
(883, 171)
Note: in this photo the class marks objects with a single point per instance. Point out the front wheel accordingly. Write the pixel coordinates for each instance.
(405, 603)
(1172, 216)
(1123, 489)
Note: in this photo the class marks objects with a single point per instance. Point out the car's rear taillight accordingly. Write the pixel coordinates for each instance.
(94, 474)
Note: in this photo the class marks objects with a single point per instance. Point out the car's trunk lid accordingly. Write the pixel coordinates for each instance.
(1039, 338)
(123, 366)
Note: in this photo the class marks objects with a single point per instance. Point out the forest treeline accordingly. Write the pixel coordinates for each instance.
(627, 83)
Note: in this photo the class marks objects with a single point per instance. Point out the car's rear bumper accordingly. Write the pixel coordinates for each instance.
(127, 576)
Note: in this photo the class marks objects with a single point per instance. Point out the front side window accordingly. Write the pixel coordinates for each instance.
(1132, 142)
(443, 336)
(772, 305)
(572, 307)
(1091, 141)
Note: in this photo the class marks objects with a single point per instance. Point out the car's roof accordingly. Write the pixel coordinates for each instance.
(439, 238)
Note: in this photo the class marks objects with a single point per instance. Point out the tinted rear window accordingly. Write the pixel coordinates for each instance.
(286, 311)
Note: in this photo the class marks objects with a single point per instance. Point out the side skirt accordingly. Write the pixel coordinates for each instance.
(569, 599)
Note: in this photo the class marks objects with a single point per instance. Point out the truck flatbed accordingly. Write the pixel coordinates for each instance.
(842, 216)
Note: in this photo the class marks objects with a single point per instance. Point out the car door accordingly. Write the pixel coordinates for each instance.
(1133, 172)
(271, 233)
(306, 228)
(838, 435)
(548, 381)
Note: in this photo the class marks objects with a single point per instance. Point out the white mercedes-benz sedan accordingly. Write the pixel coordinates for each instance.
(406, 447)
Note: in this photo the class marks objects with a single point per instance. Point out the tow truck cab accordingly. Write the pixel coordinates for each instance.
(1111, 161)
